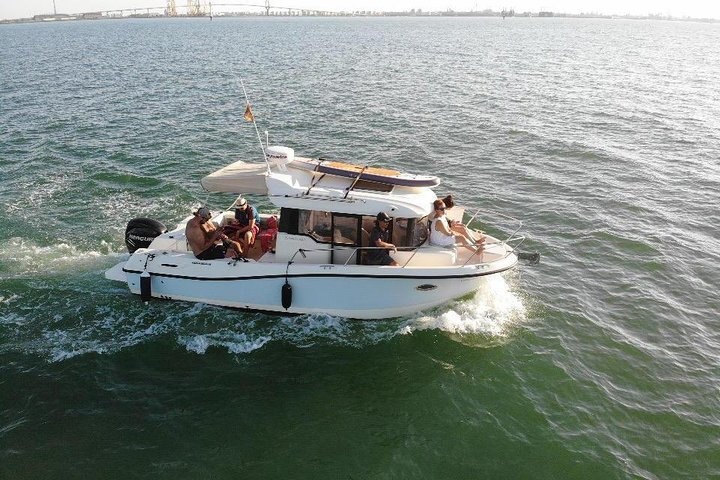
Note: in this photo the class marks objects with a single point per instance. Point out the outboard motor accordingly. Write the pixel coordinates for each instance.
(140, 232)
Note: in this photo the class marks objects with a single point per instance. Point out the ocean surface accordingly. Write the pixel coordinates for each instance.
(602, 362)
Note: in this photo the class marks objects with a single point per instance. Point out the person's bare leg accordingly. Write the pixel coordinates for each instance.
(235, 249)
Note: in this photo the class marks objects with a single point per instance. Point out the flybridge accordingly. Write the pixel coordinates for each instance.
(295, 182)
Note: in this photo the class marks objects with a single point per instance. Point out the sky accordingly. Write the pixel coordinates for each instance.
(676, 8)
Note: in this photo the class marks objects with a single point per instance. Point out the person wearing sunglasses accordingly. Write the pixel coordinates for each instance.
(459, 227)
(440, 232)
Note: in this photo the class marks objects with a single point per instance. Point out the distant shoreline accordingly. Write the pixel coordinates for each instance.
(119, 15)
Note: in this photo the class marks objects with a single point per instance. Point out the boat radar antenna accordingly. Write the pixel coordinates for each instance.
(249, 116)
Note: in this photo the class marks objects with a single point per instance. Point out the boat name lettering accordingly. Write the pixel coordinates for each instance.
(132, 236)
(200, 263)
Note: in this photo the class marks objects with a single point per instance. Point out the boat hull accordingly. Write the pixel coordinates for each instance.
(361, 292)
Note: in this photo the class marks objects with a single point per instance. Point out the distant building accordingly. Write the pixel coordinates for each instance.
(92, 16)
(52, 18)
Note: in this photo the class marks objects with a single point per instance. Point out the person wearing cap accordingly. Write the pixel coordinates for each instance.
(206, 241)
(379, 238)
(248, 227)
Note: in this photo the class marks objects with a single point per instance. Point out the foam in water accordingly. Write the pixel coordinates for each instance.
(22, 256)
(491, 312)
(109, 334)
(485, 319)
(9, 299)
(302, 331)
(234, 342)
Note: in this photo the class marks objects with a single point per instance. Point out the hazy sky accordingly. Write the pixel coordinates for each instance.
(677, 8)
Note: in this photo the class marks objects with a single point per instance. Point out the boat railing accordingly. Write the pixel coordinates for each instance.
(513, 240)
(514, 228)
(353, 250)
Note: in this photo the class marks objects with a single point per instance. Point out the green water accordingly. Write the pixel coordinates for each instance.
(602, 362)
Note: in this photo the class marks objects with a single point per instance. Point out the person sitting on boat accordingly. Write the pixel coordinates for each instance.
(440, 232)
(247, 224)
(206, 240)
(459, 227)
(379, 238)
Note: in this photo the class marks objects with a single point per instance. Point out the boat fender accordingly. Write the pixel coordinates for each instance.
(286, 295)
(140, 232)
(145, 289)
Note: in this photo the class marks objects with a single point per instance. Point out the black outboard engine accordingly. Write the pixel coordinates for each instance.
(140, 232)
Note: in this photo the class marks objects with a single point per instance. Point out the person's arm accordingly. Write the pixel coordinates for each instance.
(251, 221)
(380, 243)
(199, 240)
(441, 227)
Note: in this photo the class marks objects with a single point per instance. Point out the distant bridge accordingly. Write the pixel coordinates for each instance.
(267, 8)
(194, 8)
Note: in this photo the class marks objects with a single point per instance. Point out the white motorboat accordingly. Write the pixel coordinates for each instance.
(314, 262)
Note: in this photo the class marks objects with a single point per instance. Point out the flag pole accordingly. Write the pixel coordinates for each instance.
(248, 109)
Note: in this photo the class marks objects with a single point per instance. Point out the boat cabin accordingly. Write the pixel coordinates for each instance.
(339, 238)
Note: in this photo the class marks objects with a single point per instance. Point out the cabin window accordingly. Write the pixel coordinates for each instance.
(420, 231)
(409, 232)
(326, 227)
(289, 220)
(346, 229)
(315, 223)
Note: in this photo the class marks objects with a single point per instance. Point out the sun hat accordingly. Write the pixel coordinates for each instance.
(241, 202)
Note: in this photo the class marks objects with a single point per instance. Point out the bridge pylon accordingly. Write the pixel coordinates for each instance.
(193, 8)
(171, 9)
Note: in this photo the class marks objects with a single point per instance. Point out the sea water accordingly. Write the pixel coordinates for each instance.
(602, 362)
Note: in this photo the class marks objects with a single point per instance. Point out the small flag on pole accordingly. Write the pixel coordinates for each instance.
(249, 114)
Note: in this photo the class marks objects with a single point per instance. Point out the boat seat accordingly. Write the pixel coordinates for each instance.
(226, 218)
(427, 256)
(175, 241)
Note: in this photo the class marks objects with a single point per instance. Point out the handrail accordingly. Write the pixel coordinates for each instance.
(350, 188)
(319, 198)
(507, 241)
(492, 212)
(354, 249)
